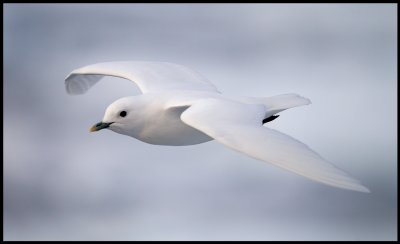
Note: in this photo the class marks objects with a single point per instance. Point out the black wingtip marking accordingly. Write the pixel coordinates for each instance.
(269, 119)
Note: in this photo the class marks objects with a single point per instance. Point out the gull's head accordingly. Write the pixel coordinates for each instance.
(121, 116)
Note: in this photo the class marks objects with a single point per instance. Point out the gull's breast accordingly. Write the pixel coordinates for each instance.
(168, 129)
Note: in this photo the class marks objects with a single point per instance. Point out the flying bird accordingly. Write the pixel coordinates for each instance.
(181, 107)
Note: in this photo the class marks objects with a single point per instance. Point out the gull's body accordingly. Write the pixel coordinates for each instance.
(180, 107)
(158, 120)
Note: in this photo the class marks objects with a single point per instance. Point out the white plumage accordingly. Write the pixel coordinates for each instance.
(180, 107)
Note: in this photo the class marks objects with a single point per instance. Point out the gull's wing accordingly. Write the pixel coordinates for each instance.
(148, 76)
(239, 126)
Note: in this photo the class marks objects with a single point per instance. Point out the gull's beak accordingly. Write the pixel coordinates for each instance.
(100, 126)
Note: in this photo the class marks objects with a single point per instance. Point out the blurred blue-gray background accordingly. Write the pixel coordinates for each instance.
(63, 183)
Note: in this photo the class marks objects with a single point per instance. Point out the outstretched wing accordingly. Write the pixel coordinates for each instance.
(239, 126)
(148, 76)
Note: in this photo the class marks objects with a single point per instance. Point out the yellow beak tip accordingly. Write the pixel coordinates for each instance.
(100, 126)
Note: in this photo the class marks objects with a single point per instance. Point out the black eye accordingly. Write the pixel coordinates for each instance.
(122, 114)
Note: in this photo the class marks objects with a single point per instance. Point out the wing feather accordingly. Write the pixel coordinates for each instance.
(239, 126)
(148, 76)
